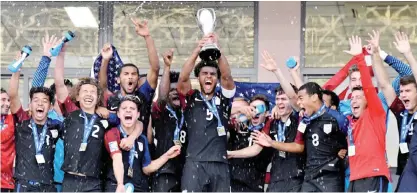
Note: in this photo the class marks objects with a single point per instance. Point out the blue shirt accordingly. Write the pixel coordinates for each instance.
(59, 150)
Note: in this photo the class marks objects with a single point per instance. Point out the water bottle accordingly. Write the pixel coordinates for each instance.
(260, 109)
(67, 37)
(291, 63)
(16, 64)
(242, 118)
(129, 188)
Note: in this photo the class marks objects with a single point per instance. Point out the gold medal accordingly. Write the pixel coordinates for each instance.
(130, 172)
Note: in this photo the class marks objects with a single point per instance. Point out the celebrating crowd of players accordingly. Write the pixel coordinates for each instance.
(85, 138)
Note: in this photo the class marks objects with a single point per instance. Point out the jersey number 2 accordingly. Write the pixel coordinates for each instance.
(97, 129)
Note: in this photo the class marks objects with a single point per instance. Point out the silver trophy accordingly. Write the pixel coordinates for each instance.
(206, 19)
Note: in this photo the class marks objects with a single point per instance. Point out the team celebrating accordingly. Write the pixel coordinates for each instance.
(87, 137)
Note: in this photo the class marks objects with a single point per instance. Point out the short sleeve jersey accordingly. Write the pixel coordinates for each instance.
(286, 165)
(141, 159)
(254, 168)
(145, 94)
(27, 167)
(201, 125)
(88, 162)
(7, 141)
(164, 125)
(323, 140)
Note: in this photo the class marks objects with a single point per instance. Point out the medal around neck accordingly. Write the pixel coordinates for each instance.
(16, 64)
(206, 20)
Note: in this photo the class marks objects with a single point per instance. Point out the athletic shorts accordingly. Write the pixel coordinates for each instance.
(238, 186)
(372, 184)
(289, 185)
(166, 183)
(32, 186)
(205, 176)
(329, 182)
(74, 183)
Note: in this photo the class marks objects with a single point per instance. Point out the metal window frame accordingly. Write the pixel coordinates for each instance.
(105, 34)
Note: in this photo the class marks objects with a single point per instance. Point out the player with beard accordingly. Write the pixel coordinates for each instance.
(128, 76)
(83, 132)
(324, 140)
(248, 175)
(131, 166)
(405, 109)
(7, 143)
(206, 113)
(35, 137)
(168, 122)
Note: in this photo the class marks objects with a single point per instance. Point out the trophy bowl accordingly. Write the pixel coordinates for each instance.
(206, 20)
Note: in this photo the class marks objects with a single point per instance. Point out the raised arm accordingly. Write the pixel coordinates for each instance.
(164, 85)
(106, 55)
(286, 86)
(382, 74)
(226, 74)
(13, 91)
(142, 29)
(61, 89)
(42, 71)
(296, 74)
(403, 45)
(184, 83)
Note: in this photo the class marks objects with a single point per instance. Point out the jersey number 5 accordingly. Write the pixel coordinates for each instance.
(209, 115)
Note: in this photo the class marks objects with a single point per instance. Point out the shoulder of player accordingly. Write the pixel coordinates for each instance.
(329, 117)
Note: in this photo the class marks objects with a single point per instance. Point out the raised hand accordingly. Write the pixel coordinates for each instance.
(355, 43)
(141, 27)
(168, 57)
(107, 51)
(48, 43)
(401, 42)
(249, 111)
(374, 41)
(269, 63)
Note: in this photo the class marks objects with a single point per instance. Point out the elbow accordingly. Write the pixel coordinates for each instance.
(147, 170)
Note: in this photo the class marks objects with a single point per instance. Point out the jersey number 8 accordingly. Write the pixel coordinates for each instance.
(183, 134)
(315, 139)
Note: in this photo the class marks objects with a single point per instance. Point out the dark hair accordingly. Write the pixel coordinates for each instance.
(132, 98)
(87, 80)
(406, 80)
(45, 90)
(173, 76)
(352, 69)
(67, 82)
(333, 98)
(262, 98)
(280, 90)
(357, 88)
(202, 63)
(313, 88)
(3, 91)
(127, 65)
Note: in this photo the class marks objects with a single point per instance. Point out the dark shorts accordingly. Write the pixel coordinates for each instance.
(238, 186)
(289, 185)
(6, 190)
(205, 176)
(372, 184)
(32, 186)
(74, 183)
(166, 183)
(328, 182)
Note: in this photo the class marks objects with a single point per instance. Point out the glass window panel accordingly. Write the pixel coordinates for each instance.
(50, 81)
(329, 24)
(321, 81)
(25, 23)
(173, 25)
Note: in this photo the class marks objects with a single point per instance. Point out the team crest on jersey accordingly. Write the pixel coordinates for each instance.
(113, 146)
(216, 100)
(105, 123)
(140, 144)
(327, 128)
(54, 133)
